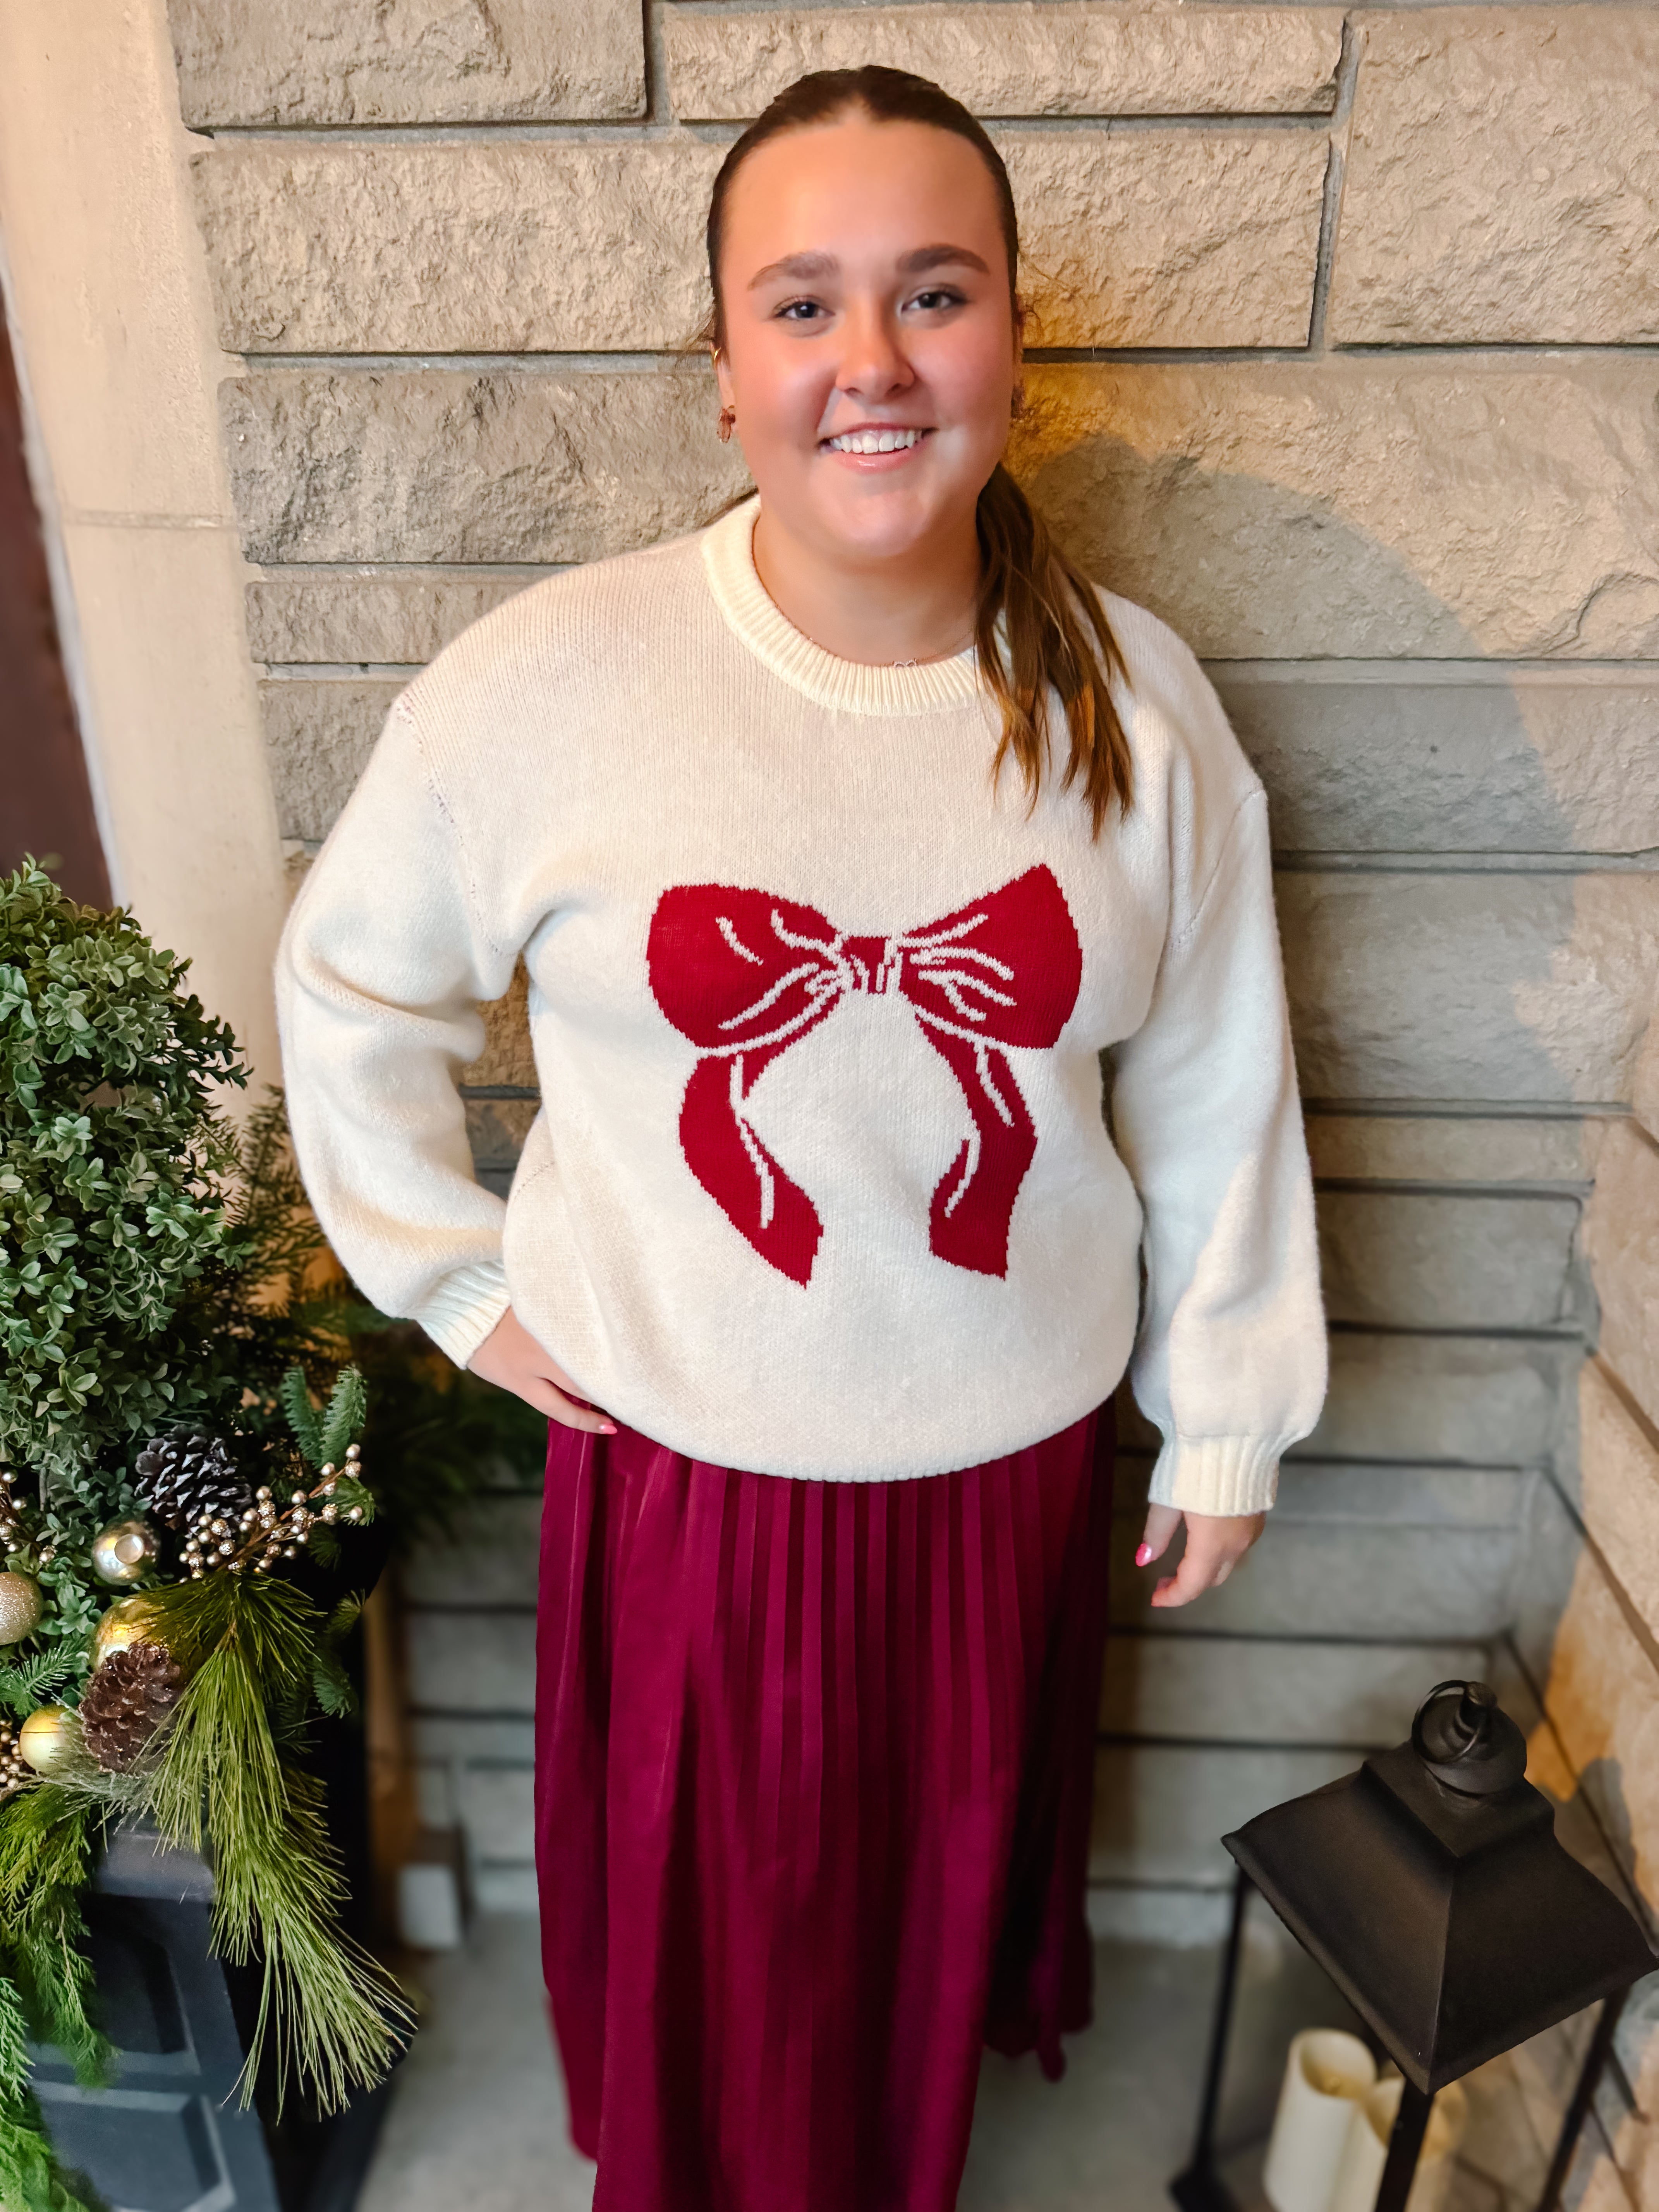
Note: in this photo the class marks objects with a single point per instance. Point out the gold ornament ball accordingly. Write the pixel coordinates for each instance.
(125, 1552)
(50, 1740)
(129, 1621)
(20, 1607)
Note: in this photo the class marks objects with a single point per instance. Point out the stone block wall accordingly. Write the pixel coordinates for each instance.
(1342, 330)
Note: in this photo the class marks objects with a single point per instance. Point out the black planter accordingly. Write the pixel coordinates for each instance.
(168, 2133)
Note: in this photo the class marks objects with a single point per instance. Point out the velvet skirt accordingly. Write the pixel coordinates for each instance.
(814, 1765)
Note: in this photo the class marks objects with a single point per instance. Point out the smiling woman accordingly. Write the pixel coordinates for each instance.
(895, 367)
(820, 1259)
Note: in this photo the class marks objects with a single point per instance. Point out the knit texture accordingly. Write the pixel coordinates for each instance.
(821, 1184)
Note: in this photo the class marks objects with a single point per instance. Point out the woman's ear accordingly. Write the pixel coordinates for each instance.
(723, 375)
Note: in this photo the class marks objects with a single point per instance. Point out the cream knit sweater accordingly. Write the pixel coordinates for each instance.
(821, 1184)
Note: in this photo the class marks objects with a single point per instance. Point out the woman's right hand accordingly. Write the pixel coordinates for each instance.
(510, 1358)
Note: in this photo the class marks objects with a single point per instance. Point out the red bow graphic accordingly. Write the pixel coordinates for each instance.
(743, 975)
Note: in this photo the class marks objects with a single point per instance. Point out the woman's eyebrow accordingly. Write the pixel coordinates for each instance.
(803, 265)
(937, 257)
(804, 268)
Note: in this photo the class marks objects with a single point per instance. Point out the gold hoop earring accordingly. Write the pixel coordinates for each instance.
(727, 423)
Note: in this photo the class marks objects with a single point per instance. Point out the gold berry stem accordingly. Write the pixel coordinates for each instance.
(266, 1532)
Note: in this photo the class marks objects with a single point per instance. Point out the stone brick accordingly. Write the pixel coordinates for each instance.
(489, 1560)
(1001, 60)
(1619, 1456)
(1552, 1540)
(491, 247)
(507, 1059)
(399, 615)
(407, 61)
(506, 1892)
(1221, 1689)
(1330, 1580)
(1362, 508)
(1603, 1699)
(1501, 184)
(318, 737)
(496, 1130)
(1167, 239)
(452, 465)
(497, 1812)
(1487, 1401)
(1161, 1809)
(480, 1662)
(1357, 507)
(1444, 1260)
(476, 1738)
(1157, 239)
(1453, 1148)
(1397, 1497)
(1472, 985)
(1644, 1087)
(1378, 758)
(1621, 1236)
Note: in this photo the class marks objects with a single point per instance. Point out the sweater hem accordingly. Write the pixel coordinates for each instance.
(465, 1308)
(1218, 1474)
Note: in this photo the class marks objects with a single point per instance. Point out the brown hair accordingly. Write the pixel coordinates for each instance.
(1039, 625)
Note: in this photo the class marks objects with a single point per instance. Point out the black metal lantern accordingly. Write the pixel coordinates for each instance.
(1431, 1889)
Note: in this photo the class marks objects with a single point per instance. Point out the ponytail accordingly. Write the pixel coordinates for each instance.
(1040, 631)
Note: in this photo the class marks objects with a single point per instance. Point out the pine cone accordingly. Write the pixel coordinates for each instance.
(128, 1697)
(186, 1475)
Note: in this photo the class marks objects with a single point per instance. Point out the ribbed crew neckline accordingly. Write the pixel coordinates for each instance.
(853, 686)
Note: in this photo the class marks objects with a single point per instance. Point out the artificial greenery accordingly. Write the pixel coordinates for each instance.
(254, 1647)
(112, 1161)
(159, 1268)
(46, 1839)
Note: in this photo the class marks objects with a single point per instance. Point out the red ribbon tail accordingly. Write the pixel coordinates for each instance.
(973, 1205)
(729, 1160)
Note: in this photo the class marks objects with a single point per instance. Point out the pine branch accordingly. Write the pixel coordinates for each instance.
(329, 1681)
(333, 2017)
(302, 1416)
(46, 1835)
(348, 1406)
(27, 1683)
(14, 2042)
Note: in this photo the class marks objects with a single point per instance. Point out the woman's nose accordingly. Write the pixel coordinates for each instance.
(872, 363)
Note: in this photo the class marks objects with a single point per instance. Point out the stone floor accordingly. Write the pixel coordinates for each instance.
(478, 2118)
(478, 2112)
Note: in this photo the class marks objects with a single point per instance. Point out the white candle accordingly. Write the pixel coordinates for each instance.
(1325, 2078)
(1366, 2151)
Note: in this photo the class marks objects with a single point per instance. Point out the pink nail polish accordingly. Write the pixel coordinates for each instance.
(609, 1429)
(1143, 1557)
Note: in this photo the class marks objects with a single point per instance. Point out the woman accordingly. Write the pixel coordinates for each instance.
(840, 841)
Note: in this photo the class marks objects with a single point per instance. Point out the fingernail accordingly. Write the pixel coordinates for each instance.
(607, 1428)
(1143, 1557)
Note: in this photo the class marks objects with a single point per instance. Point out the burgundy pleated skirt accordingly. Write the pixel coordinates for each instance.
(814, 1764)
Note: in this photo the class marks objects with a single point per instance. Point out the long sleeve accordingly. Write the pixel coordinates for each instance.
(1230, 1361)
(377, 979)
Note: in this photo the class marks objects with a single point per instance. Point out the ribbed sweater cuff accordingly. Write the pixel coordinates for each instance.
(1218, 1474)
(465, 1308)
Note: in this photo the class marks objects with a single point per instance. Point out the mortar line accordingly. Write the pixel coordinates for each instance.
(1464, 356)
(659, 126)
(1347, 72)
